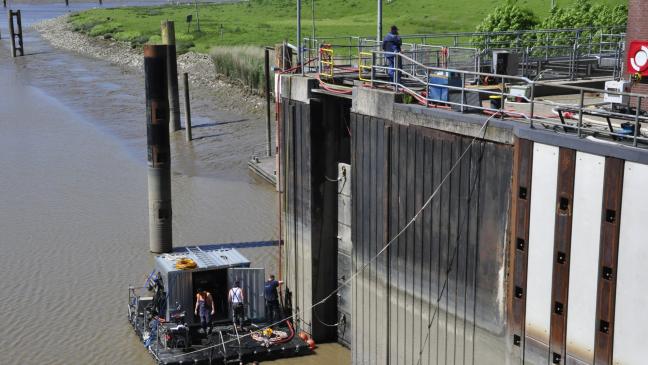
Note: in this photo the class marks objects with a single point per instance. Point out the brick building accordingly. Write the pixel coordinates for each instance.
(638, 30)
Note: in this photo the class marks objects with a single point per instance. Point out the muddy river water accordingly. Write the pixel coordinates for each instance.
(73, 209)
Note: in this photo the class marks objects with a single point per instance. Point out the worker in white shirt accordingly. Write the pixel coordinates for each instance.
(235, 298)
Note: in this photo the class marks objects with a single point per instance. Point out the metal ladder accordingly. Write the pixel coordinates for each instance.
(237, 360)
(203, 256)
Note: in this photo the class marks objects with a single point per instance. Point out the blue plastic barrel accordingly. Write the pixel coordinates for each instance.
(440, 93)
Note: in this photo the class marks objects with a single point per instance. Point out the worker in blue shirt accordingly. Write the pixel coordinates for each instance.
(392, 43)
(272, 298)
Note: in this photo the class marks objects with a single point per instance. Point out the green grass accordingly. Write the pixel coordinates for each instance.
(267, 22)
(244, 63)
(247, 25)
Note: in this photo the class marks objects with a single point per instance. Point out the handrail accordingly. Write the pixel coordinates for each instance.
(404, 79)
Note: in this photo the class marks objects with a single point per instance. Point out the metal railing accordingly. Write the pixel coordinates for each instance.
(512, 98)
(549, 53)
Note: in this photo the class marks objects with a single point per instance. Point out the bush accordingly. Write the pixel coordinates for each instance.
(582, 14)
(506, 17)
(243, 63)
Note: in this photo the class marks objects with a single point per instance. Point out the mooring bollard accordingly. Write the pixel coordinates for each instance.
(267, 92)
(16, 34)
(168, 39)
(159, 155)
(187, 107)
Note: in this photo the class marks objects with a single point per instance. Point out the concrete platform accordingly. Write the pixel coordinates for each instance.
(264, 167)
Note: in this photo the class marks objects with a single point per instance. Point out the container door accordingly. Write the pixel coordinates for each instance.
(252, 281)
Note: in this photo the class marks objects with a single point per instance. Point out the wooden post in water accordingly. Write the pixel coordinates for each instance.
(159, 156)
(100, 2)
(168, 39)
(187, 107)
(67, 2)
(267, 92)
(15, 32)
(11, 34)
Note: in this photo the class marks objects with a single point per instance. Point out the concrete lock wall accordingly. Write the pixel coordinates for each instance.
(532, 252)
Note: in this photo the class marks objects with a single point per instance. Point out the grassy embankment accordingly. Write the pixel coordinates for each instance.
(266, 22)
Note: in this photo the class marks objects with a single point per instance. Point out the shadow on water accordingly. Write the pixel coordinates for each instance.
(210, 136)
(216, 124)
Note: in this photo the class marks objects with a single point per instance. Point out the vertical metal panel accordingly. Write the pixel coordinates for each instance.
(394, 191)
(381, 240)
(252, 282)
(385, 309)
(453, 246)
(444, 255)
(521, 202)
(583, 268)
(298, 219)
(561, 255)
(180, 285)
(428, 254)
(366, 241)
(409, 247)
(373, 241)
(437, 246)
(417, 263)
(356, 159)
(608, 254)
(494, 161)
(308, 239)
(541, 228)
(462, 257)
(631, 319)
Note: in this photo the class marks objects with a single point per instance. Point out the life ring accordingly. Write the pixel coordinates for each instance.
(638, 57)
(185, 263)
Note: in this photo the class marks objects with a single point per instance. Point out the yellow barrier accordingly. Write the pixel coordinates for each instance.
(327, 62)
(363, 66)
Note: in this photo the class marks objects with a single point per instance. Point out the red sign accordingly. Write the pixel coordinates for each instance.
(638, 58)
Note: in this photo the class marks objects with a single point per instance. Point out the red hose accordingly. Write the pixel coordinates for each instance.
(291, 336)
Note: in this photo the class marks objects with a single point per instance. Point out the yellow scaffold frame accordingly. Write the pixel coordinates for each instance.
(362, 57)
(327, 61)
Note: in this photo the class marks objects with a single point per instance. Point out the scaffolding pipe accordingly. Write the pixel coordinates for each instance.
(379, 30)
(299, 40)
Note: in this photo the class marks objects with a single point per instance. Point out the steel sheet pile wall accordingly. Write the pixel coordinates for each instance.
(454, 253)
(313, 141)
(297, 204)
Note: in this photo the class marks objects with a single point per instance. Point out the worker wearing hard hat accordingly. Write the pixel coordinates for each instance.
(392, 43)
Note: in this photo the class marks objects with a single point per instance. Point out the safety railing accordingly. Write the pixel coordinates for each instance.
(326, 61)
(581, 112)
(546, 53)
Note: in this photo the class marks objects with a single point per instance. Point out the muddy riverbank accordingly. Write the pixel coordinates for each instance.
(231, 94)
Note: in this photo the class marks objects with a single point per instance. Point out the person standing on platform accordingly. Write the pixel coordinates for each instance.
(235, 298)
(272, 299)
(204, 306)
(392, 43)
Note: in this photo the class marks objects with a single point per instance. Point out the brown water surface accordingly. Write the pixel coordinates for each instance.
(73, 209)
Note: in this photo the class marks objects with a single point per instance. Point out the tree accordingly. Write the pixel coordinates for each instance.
(507, 17)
